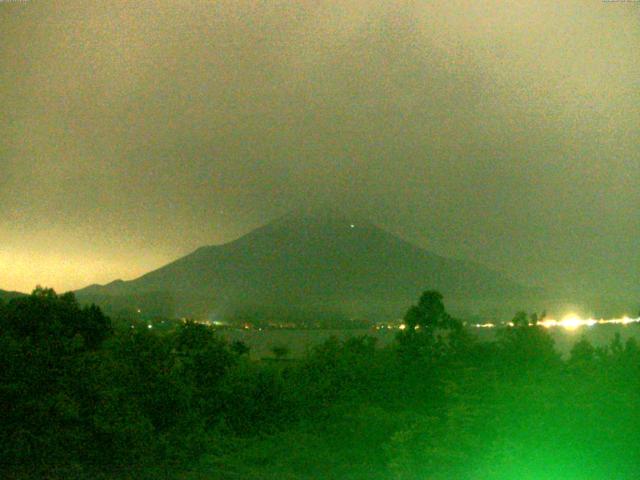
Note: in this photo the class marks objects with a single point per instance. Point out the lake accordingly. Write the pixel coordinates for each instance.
(299, 341)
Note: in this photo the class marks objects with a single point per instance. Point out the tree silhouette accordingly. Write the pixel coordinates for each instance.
(526, 347)
(280, 351)
(429, 313)
(48, 318)
(240, 348)
(582, 352)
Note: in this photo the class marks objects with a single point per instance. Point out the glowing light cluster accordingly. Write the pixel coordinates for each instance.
(485, 325)
(572, 322)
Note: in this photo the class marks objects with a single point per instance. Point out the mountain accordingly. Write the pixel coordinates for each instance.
(6, 296)
(320, 262)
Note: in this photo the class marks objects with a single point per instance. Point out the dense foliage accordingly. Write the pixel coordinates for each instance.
(82, 398)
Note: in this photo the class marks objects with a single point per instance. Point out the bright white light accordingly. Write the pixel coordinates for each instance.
(571, 322)
(590, 322)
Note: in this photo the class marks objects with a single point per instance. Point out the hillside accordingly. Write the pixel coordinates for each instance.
(319, 262)
(6, 295)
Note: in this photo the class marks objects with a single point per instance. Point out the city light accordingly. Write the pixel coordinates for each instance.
(571, 322)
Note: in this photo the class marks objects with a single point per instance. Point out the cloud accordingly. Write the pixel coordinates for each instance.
(501, 131)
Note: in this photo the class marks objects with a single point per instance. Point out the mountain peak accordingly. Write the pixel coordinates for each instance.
(324, 258)
(326, 226)
(322, 215)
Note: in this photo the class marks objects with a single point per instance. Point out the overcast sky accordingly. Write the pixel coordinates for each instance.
(506, 132)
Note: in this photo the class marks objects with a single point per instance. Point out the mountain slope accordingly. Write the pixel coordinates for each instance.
(6, 296)
(314, 261)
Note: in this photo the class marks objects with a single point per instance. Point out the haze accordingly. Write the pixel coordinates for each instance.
(502, 132)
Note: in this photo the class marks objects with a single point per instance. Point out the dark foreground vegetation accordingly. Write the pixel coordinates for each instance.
(82, 398)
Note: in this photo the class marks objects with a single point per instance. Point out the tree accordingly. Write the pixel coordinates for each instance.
(524, 346)
(240, 348)
(432, 312)
(535, 318)
(205, 359)
(429, 313)
(521, 319)
(430, 332)
(50, 348)
(280, 351)
(582, 352)
(48, 318)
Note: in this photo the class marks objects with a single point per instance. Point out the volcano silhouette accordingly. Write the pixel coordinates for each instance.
(320, 261)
